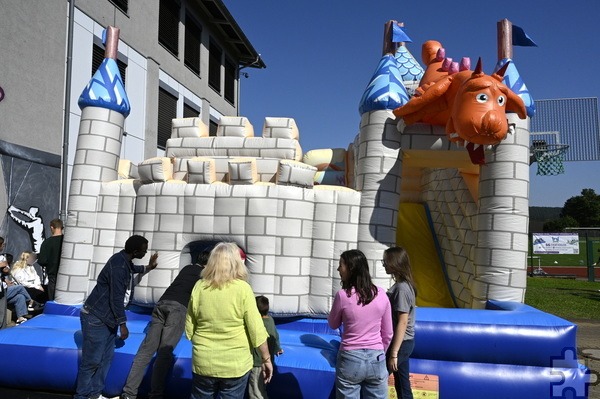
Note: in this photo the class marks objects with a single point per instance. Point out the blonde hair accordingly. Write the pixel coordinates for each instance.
(22, 262)
(224, 265)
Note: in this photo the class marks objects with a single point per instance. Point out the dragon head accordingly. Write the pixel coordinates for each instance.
(478, 113)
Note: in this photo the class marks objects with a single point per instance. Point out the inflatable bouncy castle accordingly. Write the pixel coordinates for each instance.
(440, 165)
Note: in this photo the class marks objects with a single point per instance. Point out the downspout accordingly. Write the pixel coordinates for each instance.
(239, 75)
(67, 114)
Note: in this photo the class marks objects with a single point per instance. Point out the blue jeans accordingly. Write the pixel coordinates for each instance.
(361, 373)
(18, 296)
(402, 377)
(164, 333)
(218, 388)
(97, 352)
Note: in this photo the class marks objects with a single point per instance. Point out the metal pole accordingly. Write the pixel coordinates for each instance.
(67, 115)
(589, 247)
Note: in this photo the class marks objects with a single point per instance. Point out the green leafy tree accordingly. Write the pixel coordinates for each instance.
(559, 225)
(584, 208)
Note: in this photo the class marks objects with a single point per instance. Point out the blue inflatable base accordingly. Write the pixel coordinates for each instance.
(509, 350)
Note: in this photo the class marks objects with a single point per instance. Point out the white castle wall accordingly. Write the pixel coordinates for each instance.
(293, 232)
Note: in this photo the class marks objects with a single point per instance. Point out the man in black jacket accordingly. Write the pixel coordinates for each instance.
(166, 329)
(49, 257)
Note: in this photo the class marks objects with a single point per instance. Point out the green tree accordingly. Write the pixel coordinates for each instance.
(584, 208)
(559, 225)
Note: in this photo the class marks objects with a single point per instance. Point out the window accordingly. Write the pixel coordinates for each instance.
(98, 57)
(193, 38)
(230, 81)
(189, 111)
(212, 128)
(167, 111)
(168, 25)
(121, 4)
(214, 66)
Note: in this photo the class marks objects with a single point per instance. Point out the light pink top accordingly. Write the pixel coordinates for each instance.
(364, 327)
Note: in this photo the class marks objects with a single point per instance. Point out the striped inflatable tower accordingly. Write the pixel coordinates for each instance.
(502, 225)
(104, 106)
(379, 164)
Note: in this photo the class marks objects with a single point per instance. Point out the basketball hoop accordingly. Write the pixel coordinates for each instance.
(550, 158)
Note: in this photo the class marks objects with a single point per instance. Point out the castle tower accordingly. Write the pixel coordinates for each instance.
(379, 160)
(104, 106)
(500, 256)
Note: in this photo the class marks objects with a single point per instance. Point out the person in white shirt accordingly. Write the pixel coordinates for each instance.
(16, 295)
(25, 274)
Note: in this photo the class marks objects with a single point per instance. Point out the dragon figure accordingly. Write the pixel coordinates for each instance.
(471, 104)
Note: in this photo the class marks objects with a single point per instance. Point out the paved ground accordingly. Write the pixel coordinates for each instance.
(588, 343)
(588, 348)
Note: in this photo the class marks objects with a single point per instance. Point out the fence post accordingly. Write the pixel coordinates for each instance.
(589, 249)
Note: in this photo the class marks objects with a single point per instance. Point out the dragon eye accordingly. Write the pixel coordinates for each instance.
(501, 100)
(482, 98)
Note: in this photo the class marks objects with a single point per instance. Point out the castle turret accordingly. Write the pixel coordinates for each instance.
(379, 160)
(503, 221)
(104, 106)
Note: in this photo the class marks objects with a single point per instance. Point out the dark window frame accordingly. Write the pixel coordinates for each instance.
(230, 78)
(122, 5)
(215, 61)
(98, 57)
(167, 111)
(193, 43)
(190, 111)
(168, 25)
(212, 127)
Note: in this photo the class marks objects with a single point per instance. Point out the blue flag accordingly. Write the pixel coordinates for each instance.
(398, 35)
(520, 38)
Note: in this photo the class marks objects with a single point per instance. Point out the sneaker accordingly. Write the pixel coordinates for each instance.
(21, 320)
(35, 306)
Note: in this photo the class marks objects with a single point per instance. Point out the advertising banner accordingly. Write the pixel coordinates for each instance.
(556, 243)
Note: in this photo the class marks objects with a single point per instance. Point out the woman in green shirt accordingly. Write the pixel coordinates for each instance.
(223, 322)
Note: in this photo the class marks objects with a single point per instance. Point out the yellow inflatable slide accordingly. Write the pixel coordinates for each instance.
(415, 235)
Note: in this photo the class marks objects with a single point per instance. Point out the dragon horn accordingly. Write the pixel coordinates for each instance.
(499, 74)
(478, 69)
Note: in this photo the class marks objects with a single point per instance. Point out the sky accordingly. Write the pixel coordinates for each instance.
(321, 54)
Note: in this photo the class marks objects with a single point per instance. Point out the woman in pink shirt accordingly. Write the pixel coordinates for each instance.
(365, 313)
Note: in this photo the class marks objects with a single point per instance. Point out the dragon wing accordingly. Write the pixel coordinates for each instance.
(430, 103)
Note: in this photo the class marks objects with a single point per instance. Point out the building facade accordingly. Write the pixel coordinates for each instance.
(177, 59)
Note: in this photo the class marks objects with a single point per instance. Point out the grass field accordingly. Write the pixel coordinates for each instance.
(566, 298)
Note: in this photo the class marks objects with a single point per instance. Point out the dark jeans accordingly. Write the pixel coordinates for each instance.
(164, 333)
(51, 288)
(97, 352)
(401, 377)
(223, 388)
